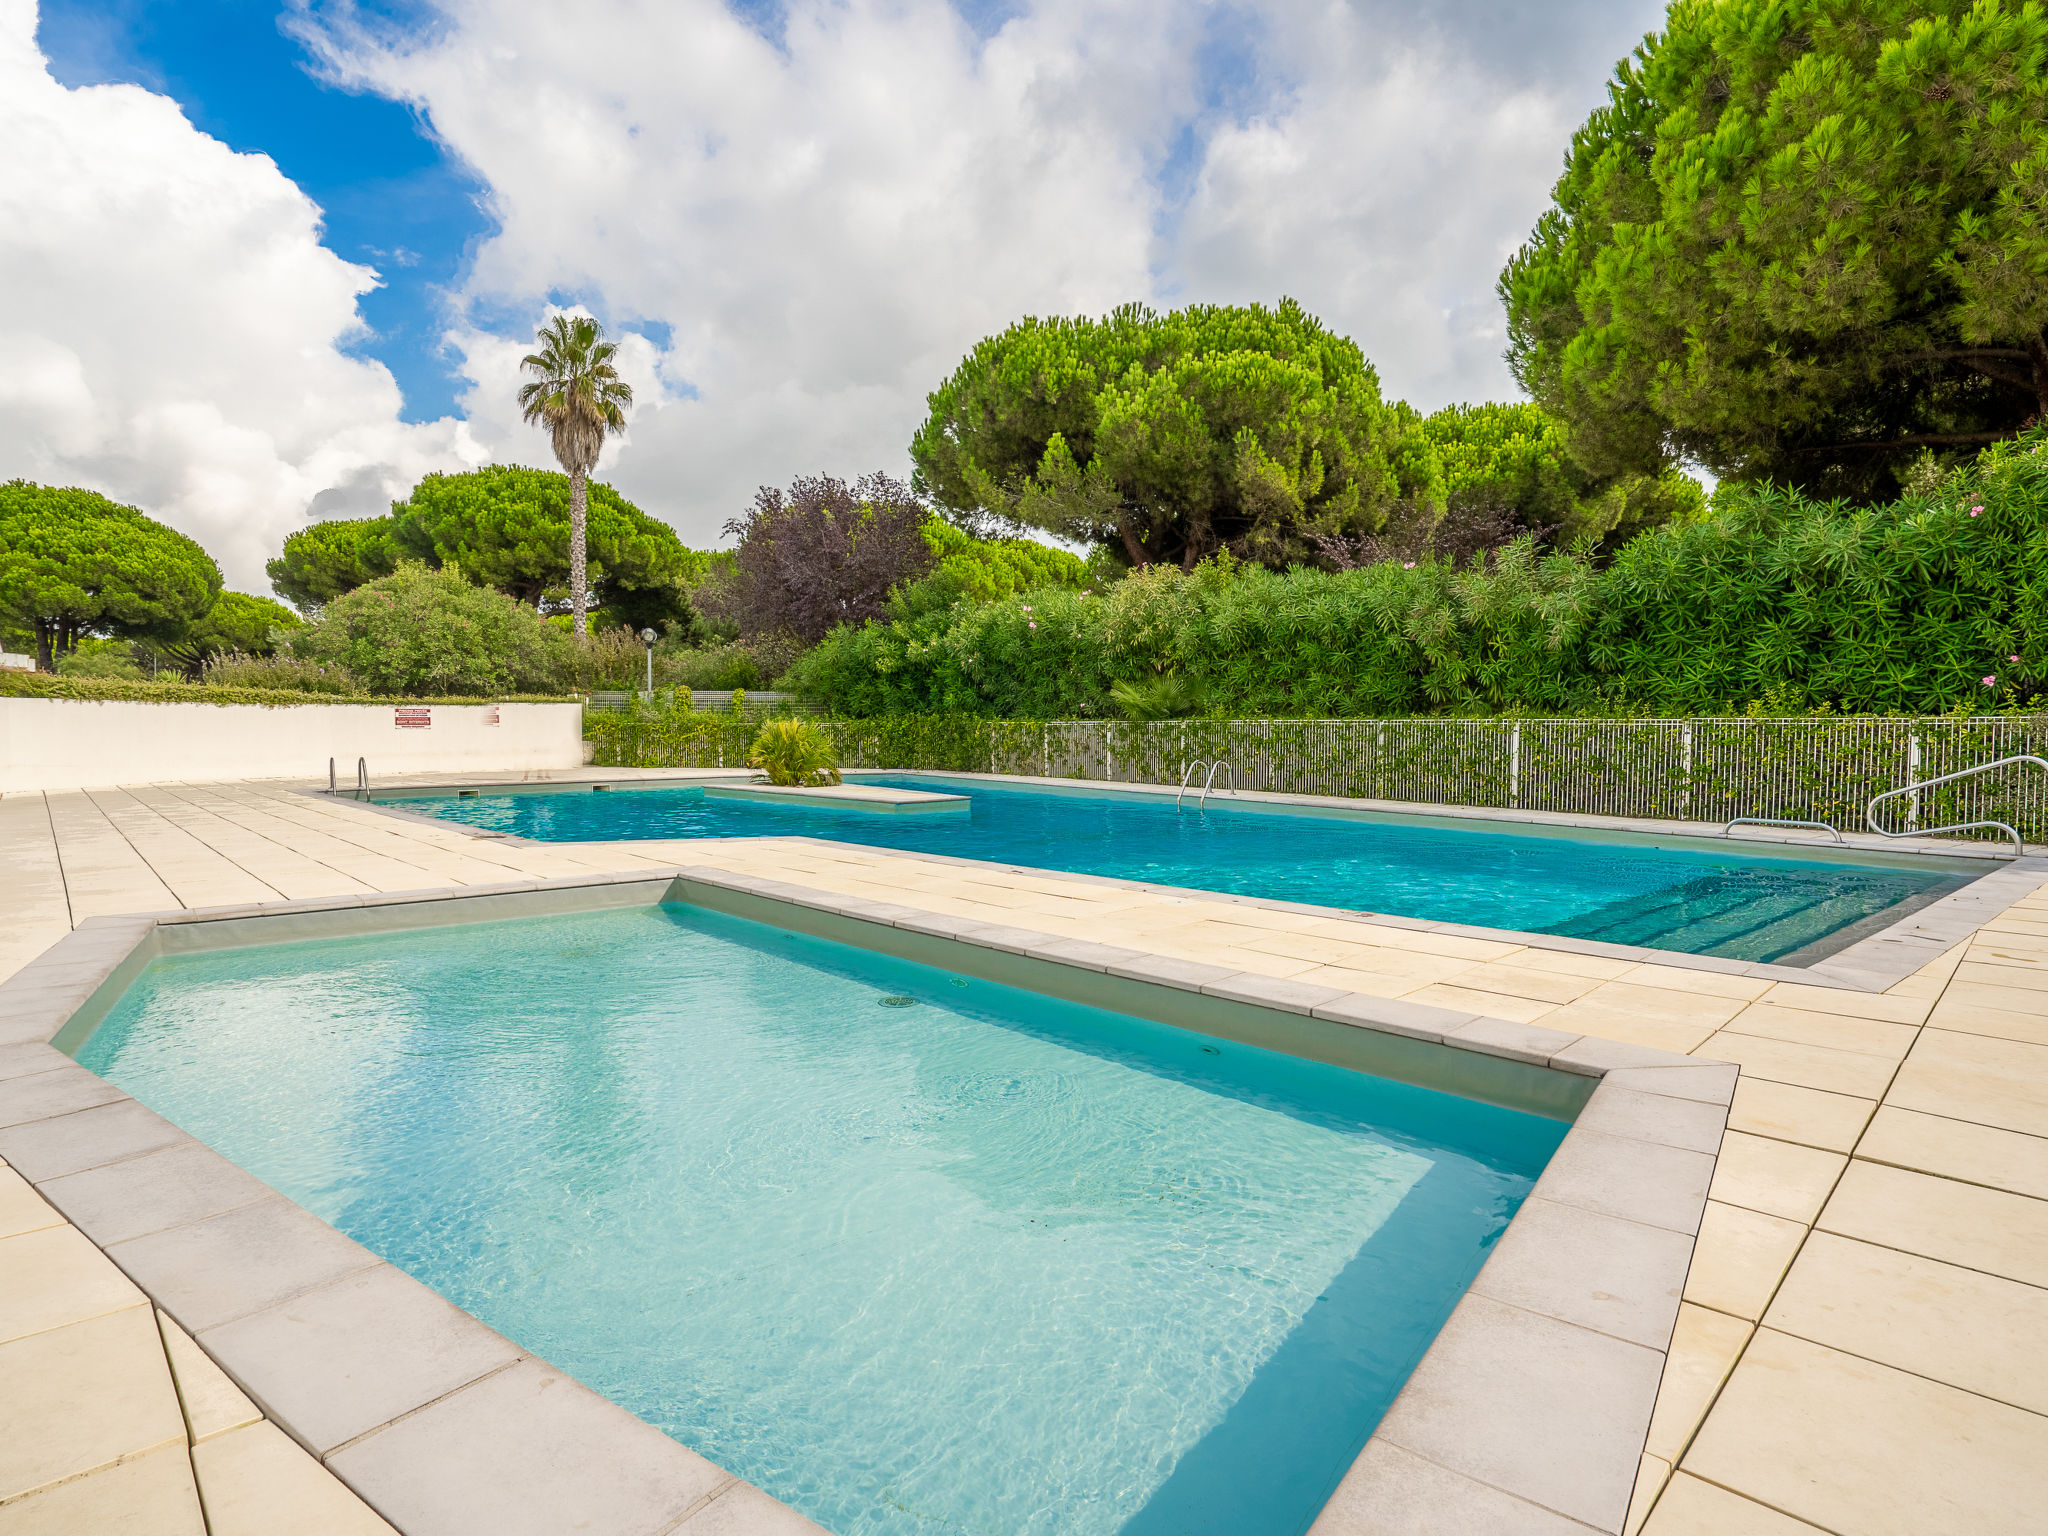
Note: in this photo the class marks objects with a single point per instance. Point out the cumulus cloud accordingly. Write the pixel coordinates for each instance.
(1385, 191)
(826, 212)
(176, 332)
(825, 219)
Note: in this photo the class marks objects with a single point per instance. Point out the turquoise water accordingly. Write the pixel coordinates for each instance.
(918, 1254)
(1704, 902)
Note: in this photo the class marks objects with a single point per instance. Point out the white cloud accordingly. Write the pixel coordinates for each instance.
(175, 327)
(827, 225)
(1385, 192)
(830, 219)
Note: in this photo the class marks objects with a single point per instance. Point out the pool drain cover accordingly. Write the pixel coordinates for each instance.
(899, 1002)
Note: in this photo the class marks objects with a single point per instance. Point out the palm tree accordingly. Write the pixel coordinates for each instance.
(579, 397)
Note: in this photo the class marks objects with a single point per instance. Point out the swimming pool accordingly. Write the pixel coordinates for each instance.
(1734, 903)
(913, 1251)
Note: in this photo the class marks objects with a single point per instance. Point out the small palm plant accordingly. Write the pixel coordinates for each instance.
(794, 752)
(1168, 696)
(577, 394)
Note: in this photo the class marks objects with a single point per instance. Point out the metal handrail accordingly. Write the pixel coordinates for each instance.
(1219, 763)
(2019, 845)
(1187, 774)
(362, 779)
(1778, 821)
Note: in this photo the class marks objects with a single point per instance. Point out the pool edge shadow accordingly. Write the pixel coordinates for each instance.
(1581, 1296)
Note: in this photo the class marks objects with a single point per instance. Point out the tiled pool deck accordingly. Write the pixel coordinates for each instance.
(1862, 1342)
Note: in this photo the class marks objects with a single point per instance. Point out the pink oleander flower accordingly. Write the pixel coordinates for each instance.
(1976, 509)
(1032, 625)
(1991, 681)
(2012, 658)
(1407, 565)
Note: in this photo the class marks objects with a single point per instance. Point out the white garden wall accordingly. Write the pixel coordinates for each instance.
(75, 744)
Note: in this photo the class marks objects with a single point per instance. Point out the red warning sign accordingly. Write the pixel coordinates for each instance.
(412, 717)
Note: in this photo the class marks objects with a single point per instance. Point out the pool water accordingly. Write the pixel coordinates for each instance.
(1737, 905)
(918, 1254)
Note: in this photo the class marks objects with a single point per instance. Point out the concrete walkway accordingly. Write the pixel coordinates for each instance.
(1862, 1344)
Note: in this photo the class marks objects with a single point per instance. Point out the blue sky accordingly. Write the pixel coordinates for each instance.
(393, 199)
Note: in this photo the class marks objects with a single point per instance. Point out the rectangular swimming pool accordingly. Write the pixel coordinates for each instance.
(913, 1251)
(1737, 903)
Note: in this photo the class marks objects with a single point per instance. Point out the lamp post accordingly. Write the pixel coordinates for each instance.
(647, 639)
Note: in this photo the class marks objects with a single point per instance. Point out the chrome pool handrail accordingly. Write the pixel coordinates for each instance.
(362, 779)
(2019, 845)
(1226, 767)
(1187, 774)
(1778, 821)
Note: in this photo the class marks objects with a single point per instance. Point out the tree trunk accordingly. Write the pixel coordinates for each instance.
(46, 661)
(579, 600)
(1132, 547)
(2037, 353)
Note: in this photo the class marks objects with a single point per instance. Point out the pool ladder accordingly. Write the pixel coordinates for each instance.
(1188, 774)
(2018, 845)
(362, 789)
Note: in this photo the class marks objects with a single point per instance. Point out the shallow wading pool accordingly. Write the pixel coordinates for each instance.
(1686, 894)
(913, 1251)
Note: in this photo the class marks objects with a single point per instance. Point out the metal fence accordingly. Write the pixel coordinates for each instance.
(1699, 770)
(753, 705)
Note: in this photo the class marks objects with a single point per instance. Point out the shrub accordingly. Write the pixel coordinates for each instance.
(294, 673)
(1902, 609)
(794, 752)
(102, 661)
(421, 631)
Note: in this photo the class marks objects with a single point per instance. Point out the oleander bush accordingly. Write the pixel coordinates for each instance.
(1935, 602)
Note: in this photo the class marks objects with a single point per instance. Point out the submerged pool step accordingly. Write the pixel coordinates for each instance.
(1723, 915)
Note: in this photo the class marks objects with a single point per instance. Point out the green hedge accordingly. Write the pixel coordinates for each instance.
(1903, 609)
(665, 732)
(45, 685)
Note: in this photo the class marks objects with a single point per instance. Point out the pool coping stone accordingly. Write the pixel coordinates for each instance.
(250, 1274)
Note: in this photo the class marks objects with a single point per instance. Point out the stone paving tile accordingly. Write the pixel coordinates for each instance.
(54, 1277)
(1959, 1326)
(1516, 980)
(21, 1208)
(1703, 1350)
(1805, 1066)
(251, 1476)
(1881, 1007)
(1837, 1031)
(1988, 1229)
(1851, 1445)
(1808, 1116)
(1956, 1149)
(1740, 1258)
(2000, 1023)
(1490, 1004)
(153, 1495)
(213, 1404)
(1651, 1476)
(1776, 1177)
(2001, 1083)
(83, 1397)
(1690, 1507)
